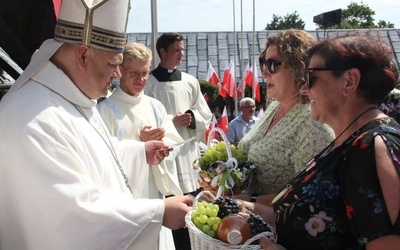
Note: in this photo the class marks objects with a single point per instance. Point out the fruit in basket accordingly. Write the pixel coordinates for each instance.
(220, 175)
(227, 206)
(222, 220)
(234, 229)
(257, 224)
(205, 217)
(218, 152)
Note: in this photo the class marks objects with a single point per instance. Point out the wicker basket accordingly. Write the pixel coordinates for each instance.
(206, 185)
(205, 177)
(201, 241)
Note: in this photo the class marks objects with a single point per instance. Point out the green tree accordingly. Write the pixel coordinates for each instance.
(290, 21)
(359, 16)
(383, 24)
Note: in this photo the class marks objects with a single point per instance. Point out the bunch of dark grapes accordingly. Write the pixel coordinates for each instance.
(257, 224)
(227, 206)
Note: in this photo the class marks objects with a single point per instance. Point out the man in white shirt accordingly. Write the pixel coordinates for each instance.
(242, 124)
(130, 114)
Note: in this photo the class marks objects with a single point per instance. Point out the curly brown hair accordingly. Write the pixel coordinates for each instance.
(292, 47)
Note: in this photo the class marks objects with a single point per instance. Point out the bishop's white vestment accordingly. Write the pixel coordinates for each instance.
(60, 185)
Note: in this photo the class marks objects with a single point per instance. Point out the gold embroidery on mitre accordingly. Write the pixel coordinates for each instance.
(104, 39)
(90, 34)
(101, 38)
(68, 32)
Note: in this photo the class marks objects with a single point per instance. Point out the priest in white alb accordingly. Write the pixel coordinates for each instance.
(130, 114)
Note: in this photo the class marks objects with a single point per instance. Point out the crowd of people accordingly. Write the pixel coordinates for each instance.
(390, 106)
(108, 175)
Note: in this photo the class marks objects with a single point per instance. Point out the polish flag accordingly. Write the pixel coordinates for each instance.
(211, 75)
(213, 78)
(212, 125)
(252, 81)
(221, 90)
(242, 83)
(249, 77)
(257, 95)
(223, 123)
(229, 79)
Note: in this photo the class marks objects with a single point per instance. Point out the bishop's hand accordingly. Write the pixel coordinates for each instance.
(156, 151)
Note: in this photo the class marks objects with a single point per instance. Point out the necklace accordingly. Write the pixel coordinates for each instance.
(351, 123)
(108, 143)
(311, 163)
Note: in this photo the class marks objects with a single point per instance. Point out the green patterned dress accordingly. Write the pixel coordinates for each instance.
(287, 147)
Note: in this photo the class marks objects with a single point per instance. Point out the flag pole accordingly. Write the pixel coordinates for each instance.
(234, 58)
(253, 63)
(241, 42)
(154, 34)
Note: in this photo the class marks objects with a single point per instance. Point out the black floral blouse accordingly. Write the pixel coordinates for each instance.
(337, 201)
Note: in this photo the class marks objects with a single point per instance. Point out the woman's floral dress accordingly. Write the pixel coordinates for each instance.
(284, 150)
(337, 201)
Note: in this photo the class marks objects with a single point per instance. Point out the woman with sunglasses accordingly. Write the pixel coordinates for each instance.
(285, 138)
(348, 196)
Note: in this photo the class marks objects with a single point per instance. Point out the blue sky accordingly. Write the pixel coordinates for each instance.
(217, 15)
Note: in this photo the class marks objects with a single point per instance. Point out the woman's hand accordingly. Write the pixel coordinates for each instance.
(245, 206)
(266, 212)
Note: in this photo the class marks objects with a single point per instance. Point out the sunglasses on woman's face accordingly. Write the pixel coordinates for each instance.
(310, 78)
(269, 64)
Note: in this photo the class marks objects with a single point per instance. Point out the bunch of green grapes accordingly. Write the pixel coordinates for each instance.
(217, 152)
(205, 218)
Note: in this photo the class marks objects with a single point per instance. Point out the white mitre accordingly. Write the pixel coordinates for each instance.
(97, 23)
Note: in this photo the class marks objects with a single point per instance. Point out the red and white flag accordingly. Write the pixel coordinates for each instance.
(212, 125)
(252, 81)
(242, 83)
(257, 95)
(229, 79)
(223, 123)
(211, 75)
(221, 90)
(213, 78)
(249, 77)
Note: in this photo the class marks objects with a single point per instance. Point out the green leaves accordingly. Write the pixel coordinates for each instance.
(289, 21)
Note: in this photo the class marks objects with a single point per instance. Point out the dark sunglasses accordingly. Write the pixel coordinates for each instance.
(310, 78)
(270, 64)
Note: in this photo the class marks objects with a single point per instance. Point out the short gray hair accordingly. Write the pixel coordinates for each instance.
(246, 100)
